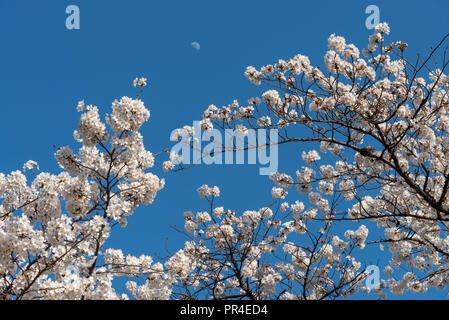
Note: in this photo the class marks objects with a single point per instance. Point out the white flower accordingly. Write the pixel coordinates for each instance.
(140, 82)
(325, 187)
(297, 207)
(167, 166)
(127, 114)
(351, 52)
(388, 271)
(253, 75)
(271, 97)
(383, 28)
(206, 191)
(336, 43)
(310, 156)
(30, 165)
(278, 193)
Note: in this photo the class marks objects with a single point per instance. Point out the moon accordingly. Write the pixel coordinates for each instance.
(195, 45)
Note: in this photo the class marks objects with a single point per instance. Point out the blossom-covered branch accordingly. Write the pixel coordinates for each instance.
(379, 124)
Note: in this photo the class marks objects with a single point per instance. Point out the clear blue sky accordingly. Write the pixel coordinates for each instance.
(46, 69)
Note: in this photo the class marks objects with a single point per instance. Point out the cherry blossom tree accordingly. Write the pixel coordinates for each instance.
(379, 124)
(53, 229)
(380, 162)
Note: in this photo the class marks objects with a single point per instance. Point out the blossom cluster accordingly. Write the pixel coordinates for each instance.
(265, 253)
(53, 227)
(380, 160)
(384, 121)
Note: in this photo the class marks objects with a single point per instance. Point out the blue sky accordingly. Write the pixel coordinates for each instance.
(46, 69)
